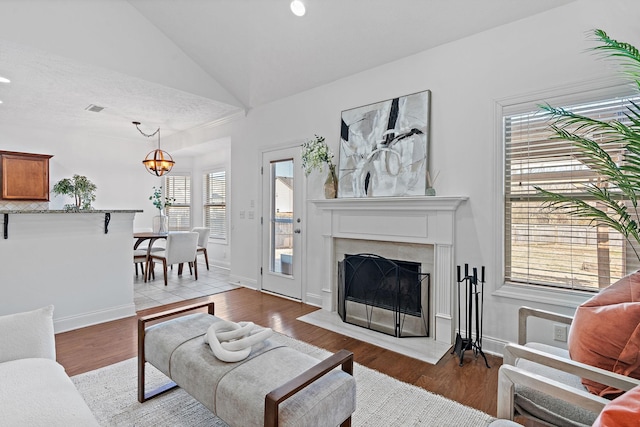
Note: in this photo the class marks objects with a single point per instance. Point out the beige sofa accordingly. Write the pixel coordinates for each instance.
(35, 390)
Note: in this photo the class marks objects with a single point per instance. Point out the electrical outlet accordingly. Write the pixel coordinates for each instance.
(560, 333)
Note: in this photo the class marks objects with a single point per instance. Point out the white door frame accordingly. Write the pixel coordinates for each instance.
(302, 190)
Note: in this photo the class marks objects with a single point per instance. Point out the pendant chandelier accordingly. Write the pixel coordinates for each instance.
(157, 162)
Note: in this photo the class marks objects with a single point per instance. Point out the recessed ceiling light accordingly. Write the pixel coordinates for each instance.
(4, 80)
(297, 7)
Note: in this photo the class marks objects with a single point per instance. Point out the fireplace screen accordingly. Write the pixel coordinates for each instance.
(385, 295)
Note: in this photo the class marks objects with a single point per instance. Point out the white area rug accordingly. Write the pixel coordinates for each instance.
(111, 393)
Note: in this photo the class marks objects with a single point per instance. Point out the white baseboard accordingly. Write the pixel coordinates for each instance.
(243, 281)
(77, 321)
(219, 263)
(491, 345)
(313, 299)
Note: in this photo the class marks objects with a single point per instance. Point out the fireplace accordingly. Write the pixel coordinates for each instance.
(418, 229)
(384, 295)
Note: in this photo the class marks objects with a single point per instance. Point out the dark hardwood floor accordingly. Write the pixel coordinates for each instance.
(472, 384)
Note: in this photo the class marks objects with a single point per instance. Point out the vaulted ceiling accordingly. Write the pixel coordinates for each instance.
(178, 64)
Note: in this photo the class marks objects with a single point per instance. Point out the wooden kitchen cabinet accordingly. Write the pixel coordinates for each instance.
(25, 176)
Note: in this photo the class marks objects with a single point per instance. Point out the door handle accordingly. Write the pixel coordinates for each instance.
(297, 231)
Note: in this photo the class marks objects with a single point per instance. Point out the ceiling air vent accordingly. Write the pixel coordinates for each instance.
(94, 108)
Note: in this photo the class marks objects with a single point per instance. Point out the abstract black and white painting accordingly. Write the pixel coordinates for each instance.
(384, 148)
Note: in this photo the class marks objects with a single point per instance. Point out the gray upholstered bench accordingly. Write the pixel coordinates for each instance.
(274, 385)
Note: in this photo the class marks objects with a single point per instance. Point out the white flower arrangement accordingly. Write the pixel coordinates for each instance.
(315, 153)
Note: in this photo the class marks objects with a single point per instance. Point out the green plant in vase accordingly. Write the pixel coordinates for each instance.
(316, 153)
(161, 204)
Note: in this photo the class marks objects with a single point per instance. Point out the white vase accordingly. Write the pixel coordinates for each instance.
(331, 184)
(161, 223)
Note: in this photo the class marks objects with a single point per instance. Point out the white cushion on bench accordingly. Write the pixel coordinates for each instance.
(326, 402)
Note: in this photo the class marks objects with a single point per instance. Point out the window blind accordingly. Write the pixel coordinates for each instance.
(178, 187)
(215, 206)
(545, 247)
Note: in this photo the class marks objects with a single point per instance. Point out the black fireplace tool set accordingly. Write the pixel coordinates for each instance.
(473, 309)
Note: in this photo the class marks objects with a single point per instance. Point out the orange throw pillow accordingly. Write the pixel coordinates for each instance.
(623, 411)
(605, 332)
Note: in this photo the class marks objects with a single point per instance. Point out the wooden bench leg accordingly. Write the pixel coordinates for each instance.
(285, 391)
(142, 323)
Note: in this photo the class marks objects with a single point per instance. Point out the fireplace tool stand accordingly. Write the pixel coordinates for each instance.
(473, 309)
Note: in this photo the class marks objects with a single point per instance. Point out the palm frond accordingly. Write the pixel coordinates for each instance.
(579, 208)
(629, 54)
(620, 221)
(599, 159)
(579, 124)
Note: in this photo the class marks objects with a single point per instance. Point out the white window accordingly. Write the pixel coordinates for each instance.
(215, 203)
(544, 247)
(178, 188)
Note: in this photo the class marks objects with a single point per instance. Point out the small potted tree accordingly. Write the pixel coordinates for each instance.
(80, 188)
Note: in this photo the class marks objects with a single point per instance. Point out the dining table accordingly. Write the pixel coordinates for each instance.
(147, 235)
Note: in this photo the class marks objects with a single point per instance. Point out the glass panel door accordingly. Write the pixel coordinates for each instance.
(281, 216)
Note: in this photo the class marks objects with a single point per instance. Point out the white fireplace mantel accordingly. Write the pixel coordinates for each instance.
(426, 203)
(428, 220)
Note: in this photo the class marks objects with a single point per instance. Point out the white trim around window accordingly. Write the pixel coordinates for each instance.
(567, 95)
(178, 186)
(215, 208)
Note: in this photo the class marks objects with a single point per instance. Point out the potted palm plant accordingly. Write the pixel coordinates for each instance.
(617, 189)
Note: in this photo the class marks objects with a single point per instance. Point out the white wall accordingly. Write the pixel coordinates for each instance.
(466, 78)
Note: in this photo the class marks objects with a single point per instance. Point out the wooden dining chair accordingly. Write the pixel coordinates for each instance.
(181, 248)
(140, 258)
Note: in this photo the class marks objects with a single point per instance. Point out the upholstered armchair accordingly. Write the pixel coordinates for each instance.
(541, 382)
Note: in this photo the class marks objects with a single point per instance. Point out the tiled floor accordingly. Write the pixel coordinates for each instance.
(179, 288)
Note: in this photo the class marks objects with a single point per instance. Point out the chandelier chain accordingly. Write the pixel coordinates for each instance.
(157, 162)
(145, 134)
